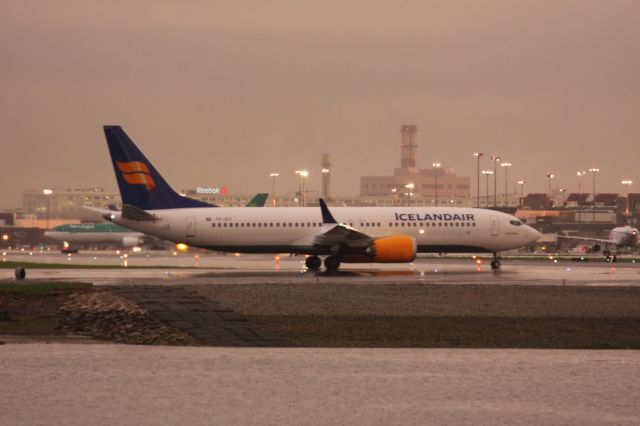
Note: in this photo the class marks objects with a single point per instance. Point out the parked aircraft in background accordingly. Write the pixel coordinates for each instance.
(74, 234)
(342, 234)
(619, 237)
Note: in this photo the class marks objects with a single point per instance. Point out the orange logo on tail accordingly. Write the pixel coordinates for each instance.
(136, 173)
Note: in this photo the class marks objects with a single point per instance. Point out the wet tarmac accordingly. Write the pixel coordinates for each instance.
(74, 384)
(180, 268)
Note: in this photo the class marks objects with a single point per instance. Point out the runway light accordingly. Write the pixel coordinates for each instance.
(174, 253)
(479, 261)
(5, 237)
(137, 249)
(568, 269)
(237, 254)
(118, 252)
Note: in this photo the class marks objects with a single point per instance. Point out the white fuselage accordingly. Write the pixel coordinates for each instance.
(292, 229)
(624, 236)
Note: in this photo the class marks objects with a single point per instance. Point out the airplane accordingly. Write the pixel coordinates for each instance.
(95, 233)
(72, 235)
(619, 237)
(341, 234)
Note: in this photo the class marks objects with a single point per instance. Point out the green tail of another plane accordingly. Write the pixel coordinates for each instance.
(259, 200)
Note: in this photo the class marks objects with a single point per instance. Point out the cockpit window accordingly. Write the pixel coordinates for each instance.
(515, 222)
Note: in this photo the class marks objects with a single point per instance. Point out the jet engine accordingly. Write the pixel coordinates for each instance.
(131, 241)
(396, 249)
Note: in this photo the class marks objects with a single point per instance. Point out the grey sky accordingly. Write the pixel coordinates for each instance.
(222, 93)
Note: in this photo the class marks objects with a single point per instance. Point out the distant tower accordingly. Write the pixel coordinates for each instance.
(326, 176)
(408, 146)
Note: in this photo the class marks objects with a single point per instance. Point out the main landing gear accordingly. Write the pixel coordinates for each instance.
(332, 263)
(313, 263)
(495, 263)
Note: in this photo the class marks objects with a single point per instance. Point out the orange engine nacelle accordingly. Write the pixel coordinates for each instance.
(396, 249)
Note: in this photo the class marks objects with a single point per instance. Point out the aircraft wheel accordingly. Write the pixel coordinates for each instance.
(614, 258)
(313, 263)
(495, 264)
(332, 263)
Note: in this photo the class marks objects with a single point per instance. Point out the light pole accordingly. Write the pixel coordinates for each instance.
(495, 159)
(436, 166)
(304, 175)
(594, 170)
(506, 183)
(302, 200)
(478, 155)
(487, 173)
(550, 176)
(394, 192)
(273, 188)
(522, 183)
(325, 175)
(410, 187)
(627, 183)
(580, 173)
(47, 193)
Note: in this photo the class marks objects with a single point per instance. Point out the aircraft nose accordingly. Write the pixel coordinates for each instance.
(532, 234)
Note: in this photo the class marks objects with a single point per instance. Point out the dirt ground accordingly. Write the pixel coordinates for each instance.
(393, 315)
(426, 315)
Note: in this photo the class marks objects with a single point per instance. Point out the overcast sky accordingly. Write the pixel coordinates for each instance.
(223, 93)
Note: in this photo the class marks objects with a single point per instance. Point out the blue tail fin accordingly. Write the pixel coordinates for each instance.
(140, 183)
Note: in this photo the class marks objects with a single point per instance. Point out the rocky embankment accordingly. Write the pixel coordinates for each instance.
(105, 315)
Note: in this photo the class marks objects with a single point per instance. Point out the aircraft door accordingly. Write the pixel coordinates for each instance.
(494, 224)
(190, 230)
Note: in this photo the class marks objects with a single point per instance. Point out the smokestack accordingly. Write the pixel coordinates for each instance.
(326, 176)
(408, 146)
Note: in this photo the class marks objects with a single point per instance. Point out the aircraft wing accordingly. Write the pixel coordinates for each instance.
(335, 235)
(593, 240)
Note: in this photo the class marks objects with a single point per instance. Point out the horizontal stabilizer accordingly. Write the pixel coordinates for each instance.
(135, 213)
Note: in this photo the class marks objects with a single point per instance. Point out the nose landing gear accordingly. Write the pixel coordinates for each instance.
(495, 263)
